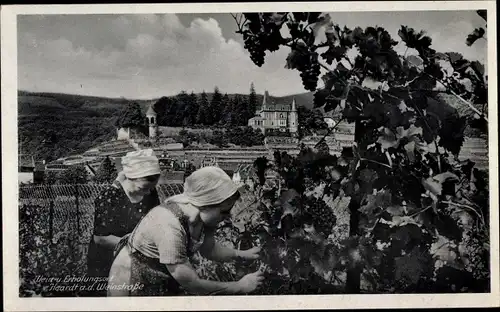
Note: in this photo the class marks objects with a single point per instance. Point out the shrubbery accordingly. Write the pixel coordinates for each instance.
(241, 136)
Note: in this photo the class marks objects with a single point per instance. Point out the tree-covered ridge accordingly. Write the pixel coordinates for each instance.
(48, 123)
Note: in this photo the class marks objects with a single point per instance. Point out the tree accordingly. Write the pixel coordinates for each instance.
(161, 108)
(183, 113)
(238, 112)
(204, 116)
(225, 110)
(219, 138)
(106, 172)
(216, 106)
(193, 108)
(398, 169)
(131, 117)
(252, 102)
(309, 121)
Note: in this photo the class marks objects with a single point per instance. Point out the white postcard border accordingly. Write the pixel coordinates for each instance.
(10, 189)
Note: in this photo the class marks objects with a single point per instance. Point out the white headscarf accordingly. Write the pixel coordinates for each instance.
(206, 186)
(141, 163)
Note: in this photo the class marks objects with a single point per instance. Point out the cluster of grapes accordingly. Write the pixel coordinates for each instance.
(255, 48)
(309, 72)
(478, 256)
(322, 216)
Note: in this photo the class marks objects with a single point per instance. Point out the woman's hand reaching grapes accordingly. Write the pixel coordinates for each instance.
(250, 282)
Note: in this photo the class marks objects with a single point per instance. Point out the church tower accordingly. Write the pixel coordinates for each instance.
(293, 118)
(153, 125)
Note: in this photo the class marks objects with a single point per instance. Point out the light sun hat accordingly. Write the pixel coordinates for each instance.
(140, 164)
(205, 187)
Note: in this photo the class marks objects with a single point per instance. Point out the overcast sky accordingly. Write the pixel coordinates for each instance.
(148, 56)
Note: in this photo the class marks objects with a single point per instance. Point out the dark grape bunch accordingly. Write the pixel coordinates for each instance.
(309, 70)
(478, 255)
(254, 47)
(322, 216)
(310, 77)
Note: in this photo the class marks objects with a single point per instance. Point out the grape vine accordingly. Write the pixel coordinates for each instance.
(418, 217)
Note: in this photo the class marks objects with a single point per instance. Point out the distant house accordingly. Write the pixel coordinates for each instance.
(26, 169)
(208, 161)
(275, 116)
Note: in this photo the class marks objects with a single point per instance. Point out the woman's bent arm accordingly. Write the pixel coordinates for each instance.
(212, 250)
(186, 276)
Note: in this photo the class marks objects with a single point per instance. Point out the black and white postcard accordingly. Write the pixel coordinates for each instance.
(250, 156)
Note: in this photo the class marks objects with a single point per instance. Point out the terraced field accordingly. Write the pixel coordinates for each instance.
(475, 149)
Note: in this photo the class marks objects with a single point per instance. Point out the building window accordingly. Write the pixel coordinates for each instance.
(152, 120)
(281, 115)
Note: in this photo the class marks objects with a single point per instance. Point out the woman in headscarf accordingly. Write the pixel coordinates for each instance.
(118, 209)
(156, 259)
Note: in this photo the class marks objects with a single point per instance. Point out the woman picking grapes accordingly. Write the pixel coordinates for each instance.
(119, 207)
(156, 258)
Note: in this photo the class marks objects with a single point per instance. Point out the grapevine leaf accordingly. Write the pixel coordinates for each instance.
(410, 151)
(448, 227)
(478, 68)
(405, 237)
(312, 234)
(475, 35)
(483, 14)
(441, 249)
(313, 17)
(395, 210)
(435, 184)
(288, 201)
(334, 53)
(297, 57)
(300, 16)
(454, 57)
(367, 175)
(373, 203)
(332, 34)
(286, 224)
(320, 97)
(403, 220)
(409, 268)
(388, 139)
(452, 133)
(324, 263)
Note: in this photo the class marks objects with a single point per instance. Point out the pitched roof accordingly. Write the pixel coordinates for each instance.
(150, 110)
